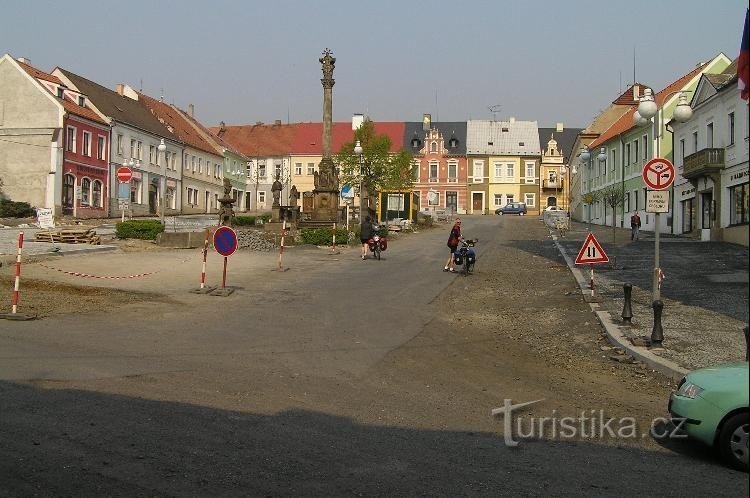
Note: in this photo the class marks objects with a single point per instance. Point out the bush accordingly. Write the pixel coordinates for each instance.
(11, 209)
(139, 229)
(423, 221)
(243, 221)
(323, 236)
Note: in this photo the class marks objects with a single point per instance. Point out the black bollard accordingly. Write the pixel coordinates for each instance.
(747, 343)
(627, 309)
(657, 334)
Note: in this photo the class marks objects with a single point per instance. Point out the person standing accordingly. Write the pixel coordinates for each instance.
(453, 240)
(366, 231)
(635, 226)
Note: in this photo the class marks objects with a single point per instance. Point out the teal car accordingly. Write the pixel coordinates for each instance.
(711, 405)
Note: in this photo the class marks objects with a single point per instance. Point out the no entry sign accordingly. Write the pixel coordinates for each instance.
(658, 173)
(124, 174)
(225, 241)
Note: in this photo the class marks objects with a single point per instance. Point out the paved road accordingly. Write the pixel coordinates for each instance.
(336, 376)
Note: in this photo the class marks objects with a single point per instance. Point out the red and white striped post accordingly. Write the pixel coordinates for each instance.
(281, 247)
(18, 273)
(592, 278)
(205, 253)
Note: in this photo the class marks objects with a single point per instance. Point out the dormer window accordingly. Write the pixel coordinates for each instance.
(521, 144)
(433, 146)
(60, 92)
(490, 143)
(505, 129)
(82, 101)
(416, 143)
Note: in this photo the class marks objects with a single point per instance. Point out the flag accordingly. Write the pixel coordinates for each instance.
(743, 63)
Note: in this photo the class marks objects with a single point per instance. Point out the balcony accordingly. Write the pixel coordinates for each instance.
(552, 184)
(703, 163)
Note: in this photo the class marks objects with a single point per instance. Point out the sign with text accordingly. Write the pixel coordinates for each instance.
(45, 218)
(124, 204)
(657, 201)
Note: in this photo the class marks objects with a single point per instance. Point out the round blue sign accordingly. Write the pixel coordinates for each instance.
(225, 241)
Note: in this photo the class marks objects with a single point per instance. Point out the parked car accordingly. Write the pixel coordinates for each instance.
(518, 208)
(552, 208)
(711, 405)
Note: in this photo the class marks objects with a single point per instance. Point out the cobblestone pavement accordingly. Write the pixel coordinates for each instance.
(705, 291)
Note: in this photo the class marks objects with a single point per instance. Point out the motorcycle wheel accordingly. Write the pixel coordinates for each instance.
(377, 254)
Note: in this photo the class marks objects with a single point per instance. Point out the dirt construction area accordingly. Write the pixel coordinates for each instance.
(333, 376)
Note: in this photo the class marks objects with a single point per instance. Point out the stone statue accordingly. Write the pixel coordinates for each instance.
(276, 191)
(329, 63)
(293, 196)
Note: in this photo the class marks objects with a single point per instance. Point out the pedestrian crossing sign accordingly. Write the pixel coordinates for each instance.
(591, 252)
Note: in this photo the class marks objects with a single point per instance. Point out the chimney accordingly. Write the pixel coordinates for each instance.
(559, 127)
(120, 89)
(258, 123)
(191, 110)
(512, 120)
(277, 122)
(24, 60)
(357, 121)
(636, 92)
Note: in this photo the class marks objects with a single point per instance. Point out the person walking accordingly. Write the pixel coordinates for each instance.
(453, 239)
(366, 231)
(635, 226)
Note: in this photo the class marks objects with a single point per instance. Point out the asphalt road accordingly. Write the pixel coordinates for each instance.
(338, 376)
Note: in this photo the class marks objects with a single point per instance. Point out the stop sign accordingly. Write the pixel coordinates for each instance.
(124, 174)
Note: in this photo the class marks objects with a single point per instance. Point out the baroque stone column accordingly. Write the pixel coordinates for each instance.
(326, 192)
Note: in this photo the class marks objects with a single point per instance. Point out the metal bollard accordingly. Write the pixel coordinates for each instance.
(657, 333)
(627, 309)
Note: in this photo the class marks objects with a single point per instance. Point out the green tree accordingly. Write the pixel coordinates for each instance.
(381, 170)
(613, 196)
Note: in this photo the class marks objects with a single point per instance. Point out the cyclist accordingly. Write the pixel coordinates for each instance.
(453, 239)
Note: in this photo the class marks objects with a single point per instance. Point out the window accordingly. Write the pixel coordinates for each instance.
(277, 169)
(297, 168)
(530, 173)
(626, 203)
(529, 199)
(85, 191)
(132, 149)
(136, 187)
(70, 139)
(635, 198)
(86, 149)
(167, 157)
(478, 171)
(119, 144)
(627, 153)
(173, 160)
(249, 169)
(682, 149)
(709, 135)
(261, 197)
(433, 198)
(100, 147)
(509, 198)
(498, 170)
(433, 146)
(635, 150)
(688, 213)
(730, 119)
(262, 171)
(510, 170)
(139, 150)
(613, 159)
(96, 194)
(433, 171)
(60, 92)
(498, 200)
(187, 162)
(152, 154)
(452, 172)
(200, 165)
(644, 142)
(415, 172)
(192, 163)
(81, 101)
(695, 141)
(738, 204)
(310, 169)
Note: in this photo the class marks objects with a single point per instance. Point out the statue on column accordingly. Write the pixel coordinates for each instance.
(293, 196)
(276, 191)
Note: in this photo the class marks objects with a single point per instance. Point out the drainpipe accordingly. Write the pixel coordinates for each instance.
(622, 180)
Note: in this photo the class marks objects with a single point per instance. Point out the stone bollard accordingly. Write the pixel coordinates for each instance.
(627, 309)
(657, 333)
(747, 343)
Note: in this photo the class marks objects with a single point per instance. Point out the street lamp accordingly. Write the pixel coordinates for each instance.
(358, 150)
(647, 109)
(162, 157)
(564, 175)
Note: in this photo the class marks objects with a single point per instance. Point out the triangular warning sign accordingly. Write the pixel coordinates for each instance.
(591, 251)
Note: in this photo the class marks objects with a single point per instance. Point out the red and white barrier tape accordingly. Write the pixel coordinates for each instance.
(16, 286)
(107, 277)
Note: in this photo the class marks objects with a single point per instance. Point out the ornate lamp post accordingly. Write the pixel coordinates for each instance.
(647, 109)
(162, 157)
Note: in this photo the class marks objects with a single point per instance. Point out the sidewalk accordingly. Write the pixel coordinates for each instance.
(705, 295)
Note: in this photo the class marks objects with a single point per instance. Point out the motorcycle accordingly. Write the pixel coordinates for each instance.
(465, 256)
(377, 244)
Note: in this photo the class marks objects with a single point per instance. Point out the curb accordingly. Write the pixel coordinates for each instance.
(10, 259)
(614, 331)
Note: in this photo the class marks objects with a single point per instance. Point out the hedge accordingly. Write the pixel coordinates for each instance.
(323, 236)
(251, 220)
(139, 229)
(11, 209)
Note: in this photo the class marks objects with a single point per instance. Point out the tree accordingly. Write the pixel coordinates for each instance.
(613, 196)
(382, 170)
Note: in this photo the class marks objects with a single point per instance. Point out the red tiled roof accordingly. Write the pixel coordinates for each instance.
(625, 122)
(309, 139)
(260, 139)
(69, 106)
(206, 132)
(171, 117)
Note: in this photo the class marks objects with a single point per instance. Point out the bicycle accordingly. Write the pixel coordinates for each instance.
(465, 256)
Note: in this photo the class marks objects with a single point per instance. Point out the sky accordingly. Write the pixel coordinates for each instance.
(247, 61)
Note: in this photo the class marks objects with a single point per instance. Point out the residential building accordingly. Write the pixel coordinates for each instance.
(556, 168)
(711, 158)
(54, 145)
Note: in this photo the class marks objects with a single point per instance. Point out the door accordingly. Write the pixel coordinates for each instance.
(208, 202)
(68, 194)
(152, 197)
(707, 217)
(476, 202)
(451, 201)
